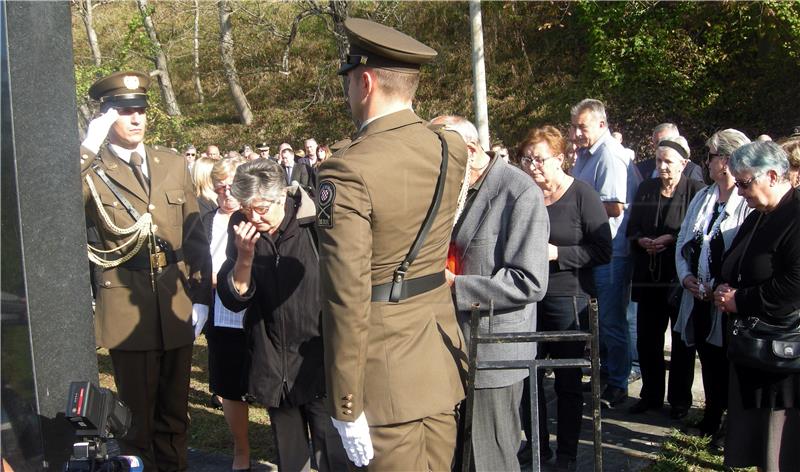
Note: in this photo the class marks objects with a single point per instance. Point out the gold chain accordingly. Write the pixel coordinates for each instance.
(140, 231)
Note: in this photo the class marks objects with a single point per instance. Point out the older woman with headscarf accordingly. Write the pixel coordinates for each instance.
(656, 216)
(711, 222)
(761, 274)
(272, 272)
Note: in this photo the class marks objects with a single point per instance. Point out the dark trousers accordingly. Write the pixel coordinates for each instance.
(558, 313)
(291, 425)
(155, 386)
(654, 316)
(714, 363)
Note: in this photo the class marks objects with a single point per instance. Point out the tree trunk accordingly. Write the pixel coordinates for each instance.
(338, 11)
(88, 22)
(160, 60)
(226, 50)
(198, 87)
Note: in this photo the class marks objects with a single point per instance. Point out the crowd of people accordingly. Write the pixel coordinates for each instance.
(338, 291)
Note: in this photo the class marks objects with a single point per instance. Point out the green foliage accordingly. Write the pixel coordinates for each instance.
(703, 65)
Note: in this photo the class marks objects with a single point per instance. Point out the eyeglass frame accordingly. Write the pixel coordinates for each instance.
(262, 209)
(539, 162)
(746, 184)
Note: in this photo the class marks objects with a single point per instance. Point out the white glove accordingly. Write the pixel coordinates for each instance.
(199, 317)
(356, 440)
(97, 131)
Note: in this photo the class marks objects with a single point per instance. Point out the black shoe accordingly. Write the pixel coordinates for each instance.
(678, 412)
(613, 396)
(641, 406)
(215, 402)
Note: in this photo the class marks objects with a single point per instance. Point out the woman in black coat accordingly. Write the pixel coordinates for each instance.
(272, 272)
(762, 275)
(656, 216)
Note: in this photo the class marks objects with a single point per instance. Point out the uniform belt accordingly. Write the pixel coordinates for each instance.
(410, 288)
(141, 261)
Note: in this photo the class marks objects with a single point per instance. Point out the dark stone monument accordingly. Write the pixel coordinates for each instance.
(47, 326)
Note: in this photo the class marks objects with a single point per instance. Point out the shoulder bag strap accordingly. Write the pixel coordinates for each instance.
(115, 190)
(401, 271)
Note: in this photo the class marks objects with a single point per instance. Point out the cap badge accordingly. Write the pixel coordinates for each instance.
(131, 82)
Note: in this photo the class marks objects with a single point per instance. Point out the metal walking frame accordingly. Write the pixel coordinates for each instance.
(533, 365)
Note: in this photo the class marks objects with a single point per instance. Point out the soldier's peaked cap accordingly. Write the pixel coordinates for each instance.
(121, 89)
(382, 47)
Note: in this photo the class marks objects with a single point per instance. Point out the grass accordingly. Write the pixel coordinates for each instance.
(208, 431)
(684, 452)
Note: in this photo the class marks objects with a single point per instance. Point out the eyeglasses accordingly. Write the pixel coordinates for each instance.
(539, 161)
(190, 154)
(711, 155)
(745, 184)
(261, 209)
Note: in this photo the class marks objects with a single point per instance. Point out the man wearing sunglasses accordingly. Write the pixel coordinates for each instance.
(153, 293)
(392, 344)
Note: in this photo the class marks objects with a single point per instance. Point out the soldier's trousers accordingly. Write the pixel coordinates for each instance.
(425, 444)
(155, 386)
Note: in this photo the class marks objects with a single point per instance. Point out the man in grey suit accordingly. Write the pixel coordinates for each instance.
(499, 257)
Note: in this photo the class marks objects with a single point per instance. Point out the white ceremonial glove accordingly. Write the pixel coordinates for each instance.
(199, 317)
(356, 440)
(97, 131)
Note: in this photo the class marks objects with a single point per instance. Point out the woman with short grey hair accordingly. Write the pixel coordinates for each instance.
(761, 279)
(272, 272)
(712, 220)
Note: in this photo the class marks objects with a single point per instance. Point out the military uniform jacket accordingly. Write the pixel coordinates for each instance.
(397, 362)
(129, 315)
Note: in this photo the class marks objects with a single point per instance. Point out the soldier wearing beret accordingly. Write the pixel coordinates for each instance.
(393, 358)
(154, 288)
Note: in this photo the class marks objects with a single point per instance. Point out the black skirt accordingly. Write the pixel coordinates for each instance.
(228, 362)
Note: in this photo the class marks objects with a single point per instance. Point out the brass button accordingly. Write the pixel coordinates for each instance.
(151, 207)
(155, 147)
(348, 412)
(155, 228)
(84, 156)
(107, 283)
(349, 396)
(114, 203)
(348, 405)
(155, 159)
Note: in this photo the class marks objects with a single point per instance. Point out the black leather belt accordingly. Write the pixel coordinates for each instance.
(141, 261)
(410, 287)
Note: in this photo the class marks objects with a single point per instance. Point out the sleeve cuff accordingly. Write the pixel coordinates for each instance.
(242, 297)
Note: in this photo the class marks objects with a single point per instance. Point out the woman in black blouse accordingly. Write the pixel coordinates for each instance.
(762, 275)
(580, 238)
(656, 216)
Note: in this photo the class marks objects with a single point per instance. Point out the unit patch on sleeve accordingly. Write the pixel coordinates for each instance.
(326, 196)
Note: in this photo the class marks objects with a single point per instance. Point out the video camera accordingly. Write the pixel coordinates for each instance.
(98, 417)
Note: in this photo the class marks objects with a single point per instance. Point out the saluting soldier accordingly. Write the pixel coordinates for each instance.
(154, 288)
(393, 349)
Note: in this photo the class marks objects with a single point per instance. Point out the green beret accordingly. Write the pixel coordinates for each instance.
(378, 46)
(122, 89)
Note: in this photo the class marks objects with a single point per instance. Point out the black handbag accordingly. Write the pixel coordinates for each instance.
(760, 345)
(764, 346)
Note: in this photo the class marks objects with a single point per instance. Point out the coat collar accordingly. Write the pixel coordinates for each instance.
(388, 122)
(481, 206)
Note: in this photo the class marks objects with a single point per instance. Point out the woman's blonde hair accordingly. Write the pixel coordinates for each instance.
(201, 176)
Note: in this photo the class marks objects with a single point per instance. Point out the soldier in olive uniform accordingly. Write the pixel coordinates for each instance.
(394, 364)
(148, 304)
